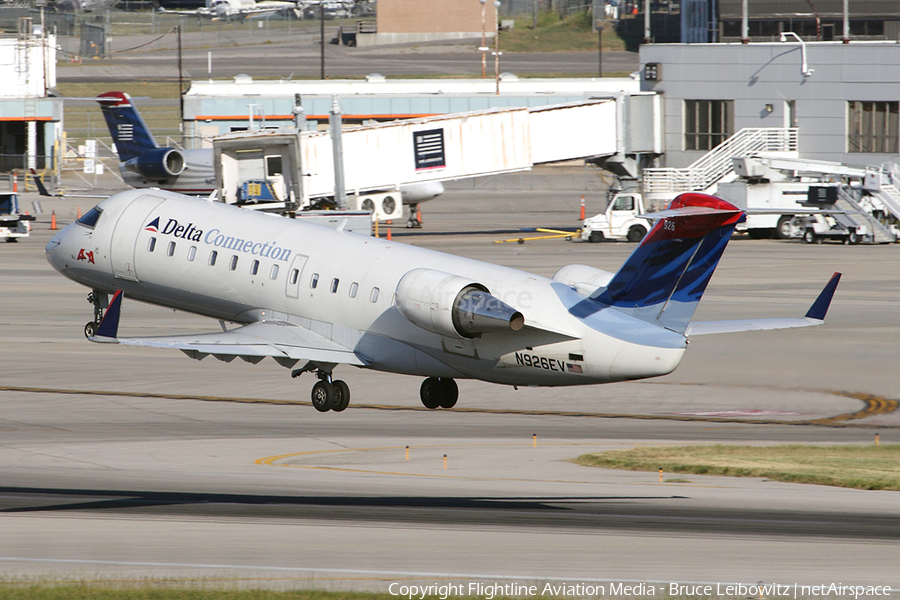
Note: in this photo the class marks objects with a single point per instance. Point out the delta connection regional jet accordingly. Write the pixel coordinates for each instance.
(314, 297)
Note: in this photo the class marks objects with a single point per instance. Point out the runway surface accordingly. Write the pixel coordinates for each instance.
(127, 463)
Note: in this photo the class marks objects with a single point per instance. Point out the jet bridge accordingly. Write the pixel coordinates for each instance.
(298, 166)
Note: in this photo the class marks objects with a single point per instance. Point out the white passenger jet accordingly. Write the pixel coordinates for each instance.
(317, 297)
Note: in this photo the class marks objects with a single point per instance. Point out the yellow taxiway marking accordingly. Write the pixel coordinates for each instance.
(874, 405)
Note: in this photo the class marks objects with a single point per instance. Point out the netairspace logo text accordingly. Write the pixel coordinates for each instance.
(580, 590)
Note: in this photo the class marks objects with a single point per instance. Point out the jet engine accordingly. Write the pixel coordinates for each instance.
(453, 306)
(160, 163)
(583, 279)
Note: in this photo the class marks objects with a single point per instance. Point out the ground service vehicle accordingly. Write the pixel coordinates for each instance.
(621, 221)
(13, 225)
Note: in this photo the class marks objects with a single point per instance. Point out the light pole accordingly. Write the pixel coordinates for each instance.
(497, 44)
(483, 48)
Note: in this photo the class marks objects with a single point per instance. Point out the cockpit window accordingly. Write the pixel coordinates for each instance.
(89, 219)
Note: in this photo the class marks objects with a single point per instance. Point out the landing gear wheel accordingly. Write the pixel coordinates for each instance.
(413, 224)
(449, 393)
(636, 233)
(323, 396)
(90, 329)
(341, 396)
(430, 392)
(438, 392)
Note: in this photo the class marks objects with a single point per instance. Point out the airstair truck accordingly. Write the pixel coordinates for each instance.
(13, 225)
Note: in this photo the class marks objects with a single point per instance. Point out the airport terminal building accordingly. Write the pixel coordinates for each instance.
(842, 98)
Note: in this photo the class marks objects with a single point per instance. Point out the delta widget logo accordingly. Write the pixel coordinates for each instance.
(153, 226)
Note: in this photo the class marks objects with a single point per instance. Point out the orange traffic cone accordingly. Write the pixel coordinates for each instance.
(419, 216)
(582, 207)
(79, 213)
(15, 183)
(53, 221)
(389, 232)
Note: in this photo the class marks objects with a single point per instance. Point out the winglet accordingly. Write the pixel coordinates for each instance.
(109, 324)
(820, 306)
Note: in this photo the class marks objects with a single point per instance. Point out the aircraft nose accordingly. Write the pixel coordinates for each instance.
(53, 251)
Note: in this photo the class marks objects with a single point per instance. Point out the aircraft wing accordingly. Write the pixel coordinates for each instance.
(814, 316)
(284, 341)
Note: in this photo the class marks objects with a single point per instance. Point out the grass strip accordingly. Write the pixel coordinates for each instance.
(866, 467)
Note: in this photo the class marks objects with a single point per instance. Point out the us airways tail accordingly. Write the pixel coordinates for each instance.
(126, 126)
(143, 162)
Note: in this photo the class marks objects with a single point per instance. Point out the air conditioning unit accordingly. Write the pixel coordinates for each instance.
(383, 206)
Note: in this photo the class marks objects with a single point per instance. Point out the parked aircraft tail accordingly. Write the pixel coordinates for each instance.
(127, 127)
(664, 278)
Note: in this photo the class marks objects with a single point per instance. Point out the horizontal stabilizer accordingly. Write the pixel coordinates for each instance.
(814, 316)
(689, 211)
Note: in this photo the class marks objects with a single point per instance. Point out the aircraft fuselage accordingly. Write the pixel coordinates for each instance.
(242, 266)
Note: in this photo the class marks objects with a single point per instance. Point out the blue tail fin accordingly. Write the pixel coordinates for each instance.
(128, 130)
(664, 278)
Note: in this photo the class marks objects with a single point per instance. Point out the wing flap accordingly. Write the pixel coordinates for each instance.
(284, 341)
(278, 339)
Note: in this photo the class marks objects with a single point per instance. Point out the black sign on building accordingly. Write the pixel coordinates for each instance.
(429, 149)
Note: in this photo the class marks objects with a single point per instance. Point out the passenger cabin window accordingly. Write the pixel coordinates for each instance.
(170, 251)
(192, 252)
(354, 287)
(232, 265)
(89, 219)
(373, 297)
(294, 275)
(334, 285)
(212, 258)
(274, 272)
(314, 281)
(254, 267)
(151, 245)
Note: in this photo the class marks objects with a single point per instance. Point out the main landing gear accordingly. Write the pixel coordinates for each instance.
(327, 394)
(100, 300)
(334, 394)
(415, 217)
(439, 392)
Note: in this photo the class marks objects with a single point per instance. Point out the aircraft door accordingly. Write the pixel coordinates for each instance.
(294, 275)
(126, 235)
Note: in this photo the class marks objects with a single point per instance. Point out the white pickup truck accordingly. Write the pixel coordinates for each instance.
(619, 222)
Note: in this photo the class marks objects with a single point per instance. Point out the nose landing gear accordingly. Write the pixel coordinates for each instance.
(100, 300)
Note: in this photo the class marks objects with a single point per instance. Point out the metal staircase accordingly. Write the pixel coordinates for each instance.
(886, 187)
(880, 233)
(715, 165)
